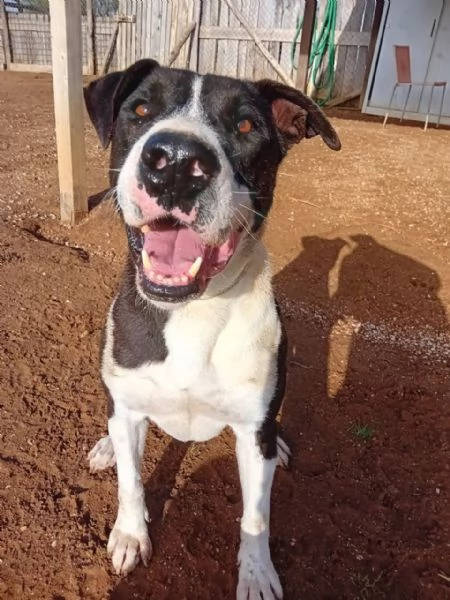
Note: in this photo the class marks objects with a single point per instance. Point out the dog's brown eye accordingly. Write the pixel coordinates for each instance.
(245, 126)
(142, 110)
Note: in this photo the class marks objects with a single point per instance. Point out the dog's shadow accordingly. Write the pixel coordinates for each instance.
(365, 408)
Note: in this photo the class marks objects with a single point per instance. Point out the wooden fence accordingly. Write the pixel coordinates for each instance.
(241, 38)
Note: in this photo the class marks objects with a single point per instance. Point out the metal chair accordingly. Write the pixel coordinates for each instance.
(403, 66)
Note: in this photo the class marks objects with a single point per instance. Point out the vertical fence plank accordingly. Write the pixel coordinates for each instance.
(352, 23)
(233, 46)
(247, 47)
(138, 29)
(162, 30)
(222, 45)
(187, 18)
(166, 21)
(146, 30)
(206, 46)
(305, 44)
(253, 53)
(174, 23)
(193, 65)
(291, 12)
(261, 66)
(133, 30)
(126, 28)
(362, 56)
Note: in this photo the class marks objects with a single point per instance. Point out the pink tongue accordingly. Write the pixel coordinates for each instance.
(172, 251)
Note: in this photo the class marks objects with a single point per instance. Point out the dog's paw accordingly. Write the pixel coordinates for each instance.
(284, 453)
(258, 579)
(127, 548)
(102, 455)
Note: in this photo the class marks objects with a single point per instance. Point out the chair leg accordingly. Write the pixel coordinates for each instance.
(390, 104)
(420, 99)
(429, 108)
(406, 102)
(444, 89)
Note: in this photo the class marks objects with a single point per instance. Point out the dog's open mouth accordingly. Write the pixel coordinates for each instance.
(173, 260)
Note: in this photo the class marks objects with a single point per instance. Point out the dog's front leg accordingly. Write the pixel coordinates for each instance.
(257, 575)
(129, 537)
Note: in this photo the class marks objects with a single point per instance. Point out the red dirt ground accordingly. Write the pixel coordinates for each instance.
(360, 248)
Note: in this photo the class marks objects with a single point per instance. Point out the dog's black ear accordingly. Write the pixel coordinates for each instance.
(297, 116)
(104, 96)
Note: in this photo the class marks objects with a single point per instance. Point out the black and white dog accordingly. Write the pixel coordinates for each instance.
(193, 340)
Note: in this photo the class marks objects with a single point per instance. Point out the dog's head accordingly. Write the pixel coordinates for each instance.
(194, 162)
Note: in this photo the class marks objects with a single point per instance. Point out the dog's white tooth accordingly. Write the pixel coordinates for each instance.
(159, 277)
(146, 259)
(184, 279)
(176, 279)
(145, 229)
(195, 267)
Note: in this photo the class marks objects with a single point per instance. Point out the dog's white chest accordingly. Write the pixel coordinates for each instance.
(214, 374)
(188, 406)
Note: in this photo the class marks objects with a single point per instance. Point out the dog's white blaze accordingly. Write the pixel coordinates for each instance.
(195, 109)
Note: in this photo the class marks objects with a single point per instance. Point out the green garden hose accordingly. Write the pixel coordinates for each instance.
(322, 45)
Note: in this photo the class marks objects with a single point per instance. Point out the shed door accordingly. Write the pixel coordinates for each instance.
(410, 23)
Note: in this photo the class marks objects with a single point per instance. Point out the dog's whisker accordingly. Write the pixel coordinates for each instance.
(250, 193)
(113, 194)
(253, 211)
(245, 225)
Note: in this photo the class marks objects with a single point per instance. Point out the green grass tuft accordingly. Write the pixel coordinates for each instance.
(363, 432)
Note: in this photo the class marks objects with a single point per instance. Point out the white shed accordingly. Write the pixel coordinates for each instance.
(424, 26)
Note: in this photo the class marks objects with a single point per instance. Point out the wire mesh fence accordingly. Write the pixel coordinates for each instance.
(101, 8)
(30, 38)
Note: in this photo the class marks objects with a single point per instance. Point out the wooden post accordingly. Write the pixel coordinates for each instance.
(378, 15)
(305, 44)
(90, 37)
(65, 17)
(6, 36)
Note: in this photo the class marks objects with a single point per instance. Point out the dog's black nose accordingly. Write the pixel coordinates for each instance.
(177, 166)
